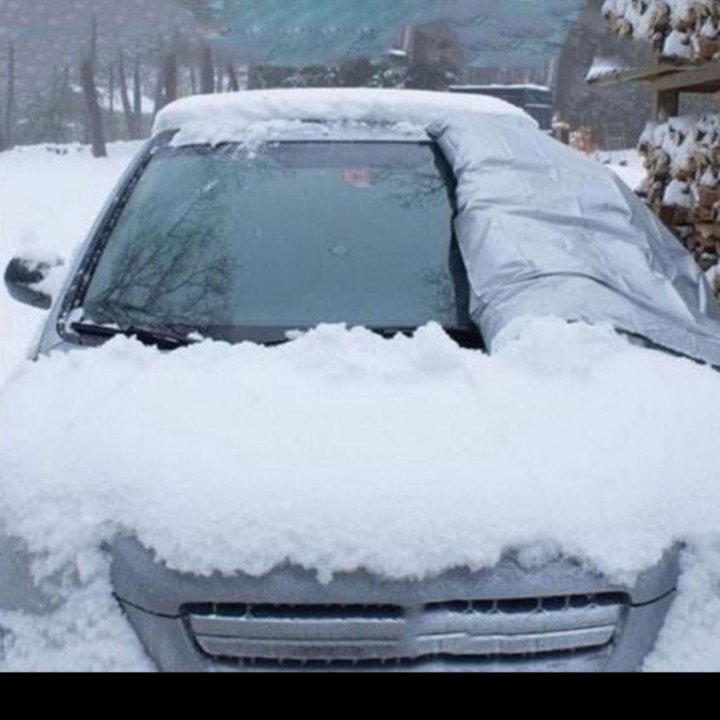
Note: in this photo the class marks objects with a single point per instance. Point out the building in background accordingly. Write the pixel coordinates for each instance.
(151, 51)
(536, 100)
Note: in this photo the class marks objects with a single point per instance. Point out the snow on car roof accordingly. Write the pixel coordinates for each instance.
(215, 115)
(501, 86)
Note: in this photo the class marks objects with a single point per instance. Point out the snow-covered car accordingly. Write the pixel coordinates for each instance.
(258, 216)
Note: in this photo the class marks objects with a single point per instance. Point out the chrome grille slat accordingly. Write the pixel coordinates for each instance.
(391, 634)
(249, 628)
(455, 645)
(297, 650)
(540, 621)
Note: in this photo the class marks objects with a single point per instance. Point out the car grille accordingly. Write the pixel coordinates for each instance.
(378, 635)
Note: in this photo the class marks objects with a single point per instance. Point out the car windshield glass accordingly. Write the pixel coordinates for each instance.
(235, 242)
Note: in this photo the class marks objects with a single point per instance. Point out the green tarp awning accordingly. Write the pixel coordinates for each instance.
(305, 32)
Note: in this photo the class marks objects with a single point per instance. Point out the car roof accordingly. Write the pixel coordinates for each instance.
(214, 118)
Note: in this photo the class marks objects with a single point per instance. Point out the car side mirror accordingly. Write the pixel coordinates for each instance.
(30, 281)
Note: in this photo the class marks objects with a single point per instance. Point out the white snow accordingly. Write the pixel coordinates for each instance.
(678, 44)
(344, 450)
(106, 101)
(678, 193)
(226, 117)
(87, 633)
(251, 135)
(676, 24)
(147, 105)
(338, 450)
(626, 164)
(604, 68)
(502, 86)
(49, 197)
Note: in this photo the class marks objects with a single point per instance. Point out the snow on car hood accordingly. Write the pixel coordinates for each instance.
(546, 231)
(343, 450)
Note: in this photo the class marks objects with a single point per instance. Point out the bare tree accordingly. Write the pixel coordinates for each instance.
(207, 70)
(93, 114)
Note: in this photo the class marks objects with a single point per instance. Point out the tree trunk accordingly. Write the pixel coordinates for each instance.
(130, 120)
(233, 82)
(65, 102)
(10, 100)
(159, 91)
(111, 90)
(137, 97)
(112, 131)
(93, 113)
(207, 70)
(170, 78)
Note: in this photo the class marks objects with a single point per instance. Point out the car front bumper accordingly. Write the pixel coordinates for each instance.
(558, 617)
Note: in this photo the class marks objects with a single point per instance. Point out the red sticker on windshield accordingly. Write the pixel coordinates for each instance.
(359, 177)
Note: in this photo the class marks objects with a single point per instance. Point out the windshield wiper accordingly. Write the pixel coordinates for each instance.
(464, 336)
(163, 339)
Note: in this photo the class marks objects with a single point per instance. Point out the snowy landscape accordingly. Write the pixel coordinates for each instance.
(505, 460)
(554, 399)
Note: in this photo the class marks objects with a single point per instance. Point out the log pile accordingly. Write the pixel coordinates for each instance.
(684, 30)
(682, 157)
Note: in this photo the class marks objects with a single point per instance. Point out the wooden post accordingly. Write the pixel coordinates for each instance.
(666, 104)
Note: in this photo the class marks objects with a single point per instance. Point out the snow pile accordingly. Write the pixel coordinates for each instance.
(344, 450)
(628, 165)
(604, 68)
(88, 632)
(678, 29)
(251, 135)
(49, 197)
(214, 118)
(690, 639)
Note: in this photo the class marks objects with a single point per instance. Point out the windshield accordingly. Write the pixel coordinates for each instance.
(248, 244)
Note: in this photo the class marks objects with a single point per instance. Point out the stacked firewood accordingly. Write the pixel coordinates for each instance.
(687, 30)
(682, 157)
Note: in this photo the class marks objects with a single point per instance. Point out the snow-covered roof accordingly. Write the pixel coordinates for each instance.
(210, 113)
(603, 68)
(501, 86)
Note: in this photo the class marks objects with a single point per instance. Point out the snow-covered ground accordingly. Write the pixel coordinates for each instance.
(626, 164)
(567, 440)
(49, 197)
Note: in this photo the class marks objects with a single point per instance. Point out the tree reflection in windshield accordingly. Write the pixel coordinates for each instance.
(171, 265)
(290, 236)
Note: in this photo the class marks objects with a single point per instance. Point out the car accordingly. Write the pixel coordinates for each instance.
(346, 166)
